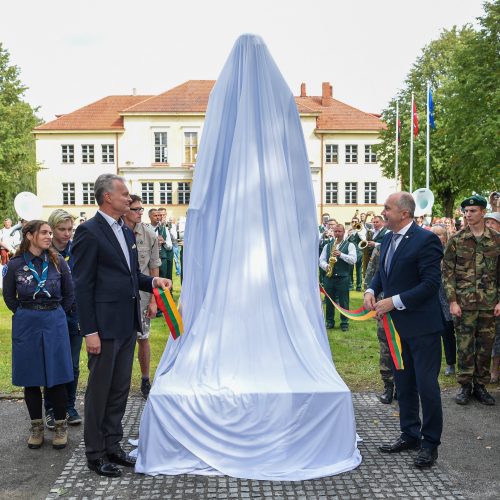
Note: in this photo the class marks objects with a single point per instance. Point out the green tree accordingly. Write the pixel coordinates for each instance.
(17, 144)
(464, 148)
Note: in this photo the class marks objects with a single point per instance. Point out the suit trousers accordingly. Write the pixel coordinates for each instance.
(419, 379)
(108, 386)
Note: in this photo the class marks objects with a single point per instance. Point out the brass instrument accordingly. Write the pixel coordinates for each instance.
(357, 227)
(332, 260)
(363, 244)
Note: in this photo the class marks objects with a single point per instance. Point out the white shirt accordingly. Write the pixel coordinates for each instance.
(117, 227)
(396, 299)
(351, 257)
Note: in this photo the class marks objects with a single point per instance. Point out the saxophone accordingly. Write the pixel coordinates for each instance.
(332, 260)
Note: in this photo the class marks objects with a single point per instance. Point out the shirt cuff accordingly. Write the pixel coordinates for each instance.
(398, 304)
(90, 334)
(369, 290)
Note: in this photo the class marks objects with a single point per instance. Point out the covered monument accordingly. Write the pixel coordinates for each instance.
(250, 390)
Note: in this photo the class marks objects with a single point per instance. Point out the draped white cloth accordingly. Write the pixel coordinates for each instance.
(250, 390)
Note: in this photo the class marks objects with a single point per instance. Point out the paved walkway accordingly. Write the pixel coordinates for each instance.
(379, 475)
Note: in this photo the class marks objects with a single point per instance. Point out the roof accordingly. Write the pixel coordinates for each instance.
(192, 97)
(100, 115)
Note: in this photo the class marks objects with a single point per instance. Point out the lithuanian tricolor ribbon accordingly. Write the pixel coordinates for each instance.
(167, 306)
(391, 333)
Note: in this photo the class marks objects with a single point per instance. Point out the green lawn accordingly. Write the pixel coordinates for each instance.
(355, 352)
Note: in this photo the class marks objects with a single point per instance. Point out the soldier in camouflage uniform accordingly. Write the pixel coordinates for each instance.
(385, 363)
(471, 273)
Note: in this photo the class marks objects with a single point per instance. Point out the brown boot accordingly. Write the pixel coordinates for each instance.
(61, 435)
(36, 434)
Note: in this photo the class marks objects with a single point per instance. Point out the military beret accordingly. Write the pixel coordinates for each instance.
(474, 200)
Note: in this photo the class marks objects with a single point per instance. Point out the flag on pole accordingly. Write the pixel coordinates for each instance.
(415, 119)
(431, 109)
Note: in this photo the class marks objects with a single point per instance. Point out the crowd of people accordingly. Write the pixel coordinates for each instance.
(441, 273)
(469, 268)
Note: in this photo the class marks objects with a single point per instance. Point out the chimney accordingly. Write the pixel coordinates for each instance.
(303, 90)
(326, 94)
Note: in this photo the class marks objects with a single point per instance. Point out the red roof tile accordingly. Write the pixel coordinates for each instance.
(192, 97)
(100, 115)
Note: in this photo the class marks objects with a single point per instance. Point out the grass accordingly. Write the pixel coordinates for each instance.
(355, 353)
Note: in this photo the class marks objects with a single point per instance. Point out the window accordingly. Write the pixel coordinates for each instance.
(165, 193)
(351, 192)
(370, 192)
(147, 193)
(351, 153)
(370, 155)
(183, 193)
(332, 191)
(331, 153)
(108, 153)
(68, 190)
(161, 147)
(68, 153)
(88, 193)
(190, 146)
(87, 153)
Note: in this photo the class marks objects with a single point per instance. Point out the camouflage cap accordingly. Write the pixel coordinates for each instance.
(474, 200)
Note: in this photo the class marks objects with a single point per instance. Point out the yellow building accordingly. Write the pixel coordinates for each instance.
(152, 141)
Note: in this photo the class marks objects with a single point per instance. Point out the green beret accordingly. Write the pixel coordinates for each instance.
(474, 200)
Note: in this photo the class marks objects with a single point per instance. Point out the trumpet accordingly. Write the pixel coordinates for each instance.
(357, 227)
(332, 260)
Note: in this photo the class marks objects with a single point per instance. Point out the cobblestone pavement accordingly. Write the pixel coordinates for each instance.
(379, 475)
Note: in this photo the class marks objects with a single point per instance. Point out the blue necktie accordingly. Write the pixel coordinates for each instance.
(390, 252)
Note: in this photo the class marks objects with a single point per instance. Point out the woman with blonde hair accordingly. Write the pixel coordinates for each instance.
(37, 288)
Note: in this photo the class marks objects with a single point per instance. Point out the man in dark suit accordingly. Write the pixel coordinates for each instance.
(409, 275)
(107, 283)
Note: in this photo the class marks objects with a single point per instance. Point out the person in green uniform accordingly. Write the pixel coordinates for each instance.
(471, 273)
(355, 238)
(337, 285)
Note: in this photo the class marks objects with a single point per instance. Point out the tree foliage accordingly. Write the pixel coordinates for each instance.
(463, 69)
(17, 145)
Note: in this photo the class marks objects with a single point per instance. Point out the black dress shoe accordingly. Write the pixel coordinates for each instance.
(463, 394)
(103, 468)
(399, 445)
(387, 396)
(426, 457)
(482, 395)
(121, 458)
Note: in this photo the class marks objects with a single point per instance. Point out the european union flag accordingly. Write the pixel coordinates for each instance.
(431, 110)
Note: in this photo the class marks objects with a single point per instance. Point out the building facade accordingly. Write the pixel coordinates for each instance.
(153, 141)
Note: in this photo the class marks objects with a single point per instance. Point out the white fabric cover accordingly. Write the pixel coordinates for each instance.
(250, 390)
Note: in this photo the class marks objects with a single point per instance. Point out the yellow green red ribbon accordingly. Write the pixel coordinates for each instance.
(170, 312)
(392, 335)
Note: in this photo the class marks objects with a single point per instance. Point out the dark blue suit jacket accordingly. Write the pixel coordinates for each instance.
(415, 275)
(107, 291)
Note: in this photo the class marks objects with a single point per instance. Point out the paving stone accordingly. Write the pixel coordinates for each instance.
(379, 475)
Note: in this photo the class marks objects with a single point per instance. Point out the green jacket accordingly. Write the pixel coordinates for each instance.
(471, 270)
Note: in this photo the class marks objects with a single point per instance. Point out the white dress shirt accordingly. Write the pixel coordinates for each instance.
(349, 257)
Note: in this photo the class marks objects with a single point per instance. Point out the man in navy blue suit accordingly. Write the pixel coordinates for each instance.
(410, 276)
(107, 283)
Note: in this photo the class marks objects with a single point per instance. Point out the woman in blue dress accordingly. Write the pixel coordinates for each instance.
(38, 289)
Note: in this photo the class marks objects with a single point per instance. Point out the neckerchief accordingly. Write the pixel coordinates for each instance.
(40, 287)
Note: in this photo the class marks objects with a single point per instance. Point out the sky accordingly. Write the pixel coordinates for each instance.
(72, 53)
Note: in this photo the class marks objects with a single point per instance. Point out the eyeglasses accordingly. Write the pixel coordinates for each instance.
(139, 209)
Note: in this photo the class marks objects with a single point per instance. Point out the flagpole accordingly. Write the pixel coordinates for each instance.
(396, 170)
(411, 144)
(428, 162)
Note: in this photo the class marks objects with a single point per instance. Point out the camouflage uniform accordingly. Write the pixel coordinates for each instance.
(471, 275)
(385, 363)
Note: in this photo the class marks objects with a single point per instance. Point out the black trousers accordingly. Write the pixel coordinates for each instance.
(418, 382)
(106, 396)
(449, 343)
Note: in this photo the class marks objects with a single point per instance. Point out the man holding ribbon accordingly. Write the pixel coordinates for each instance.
(107, 283)
(409, 275)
